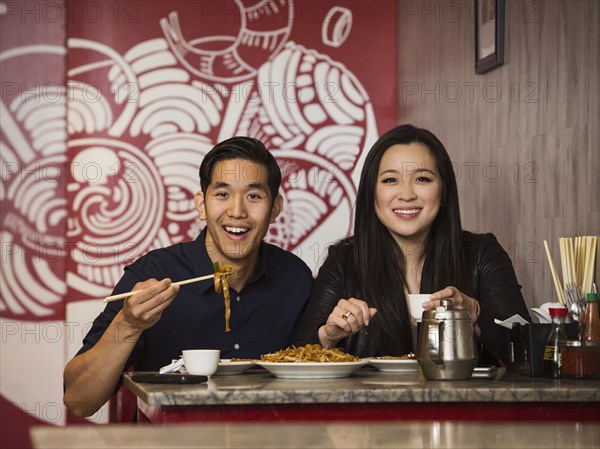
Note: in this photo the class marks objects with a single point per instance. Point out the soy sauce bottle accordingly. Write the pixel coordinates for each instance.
(552, 361)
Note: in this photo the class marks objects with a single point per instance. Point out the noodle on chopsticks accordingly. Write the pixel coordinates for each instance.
(308, 353)
(221, 283)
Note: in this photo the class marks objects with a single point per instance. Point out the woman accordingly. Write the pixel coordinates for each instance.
(408, 239)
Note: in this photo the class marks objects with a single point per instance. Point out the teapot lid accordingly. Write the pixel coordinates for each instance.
(445, 311)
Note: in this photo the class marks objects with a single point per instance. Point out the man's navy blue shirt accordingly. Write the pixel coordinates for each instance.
(263, 315)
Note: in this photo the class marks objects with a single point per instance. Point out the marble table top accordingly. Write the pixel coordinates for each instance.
(397, 435)
(367, 385)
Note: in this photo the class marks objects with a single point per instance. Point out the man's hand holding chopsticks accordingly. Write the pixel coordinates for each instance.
(143, 309)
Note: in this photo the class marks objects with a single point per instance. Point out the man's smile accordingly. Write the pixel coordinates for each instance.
(236, 230)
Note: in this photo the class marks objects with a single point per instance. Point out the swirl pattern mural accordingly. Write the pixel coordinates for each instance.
(119, 203)
(34, 208)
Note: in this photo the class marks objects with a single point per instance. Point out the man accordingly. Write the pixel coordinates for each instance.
(240, 181)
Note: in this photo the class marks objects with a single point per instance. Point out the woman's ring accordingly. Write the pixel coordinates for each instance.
(346, 315)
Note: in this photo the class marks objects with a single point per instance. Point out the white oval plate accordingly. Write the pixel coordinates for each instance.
(312, 370)
(396, 366)
(227, 367)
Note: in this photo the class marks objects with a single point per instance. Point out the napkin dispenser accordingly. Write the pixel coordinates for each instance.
(526, 346)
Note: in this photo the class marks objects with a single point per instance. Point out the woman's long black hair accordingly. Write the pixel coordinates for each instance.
(379, 261)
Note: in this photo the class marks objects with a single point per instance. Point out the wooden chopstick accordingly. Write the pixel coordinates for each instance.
(586, 254)
(555, 278)
(563, 261)
(593, 259)
(579, 263)
(590, 261)
(187, 281)
(571, 253)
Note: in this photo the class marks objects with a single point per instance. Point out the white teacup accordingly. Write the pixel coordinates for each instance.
(414, 305)
(203, 362)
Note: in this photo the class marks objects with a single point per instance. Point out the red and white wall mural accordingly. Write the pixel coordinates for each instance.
(107, 111)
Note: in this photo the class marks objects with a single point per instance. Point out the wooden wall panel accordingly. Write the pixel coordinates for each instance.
(525, 137)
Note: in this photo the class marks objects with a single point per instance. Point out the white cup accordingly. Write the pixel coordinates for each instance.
(201, 361)
(414, 305)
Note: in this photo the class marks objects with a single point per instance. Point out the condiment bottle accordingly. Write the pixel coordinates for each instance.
(552, 359)
(591, 318)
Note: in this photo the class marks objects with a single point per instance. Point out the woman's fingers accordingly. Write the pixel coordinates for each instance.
(351, 315)
(348, 315)
(447, 293)
(459, 300)
(372, 312)
(347, 318)
(338, 319)
(360, 309)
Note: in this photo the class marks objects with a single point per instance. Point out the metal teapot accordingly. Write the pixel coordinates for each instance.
(446, 347)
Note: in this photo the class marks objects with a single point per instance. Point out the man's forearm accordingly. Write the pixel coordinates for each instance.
(90, 378)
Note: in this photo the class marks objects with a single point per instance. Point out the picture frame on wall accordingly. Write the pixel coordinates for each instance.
(489, 35)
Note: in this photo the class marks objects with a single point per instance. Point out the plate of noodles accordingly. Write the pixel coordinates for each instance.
(405, 363)
(310, 362)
